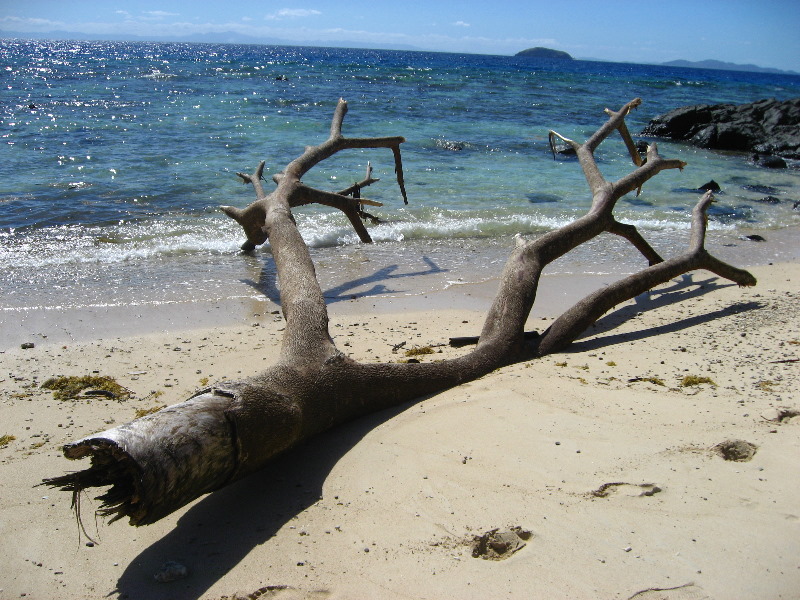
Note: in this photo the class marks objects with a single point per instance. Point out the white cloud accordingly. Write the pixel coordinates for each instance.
(30, 24)
(151, 27)
(293, 13)
(461, 24)
(159, 14)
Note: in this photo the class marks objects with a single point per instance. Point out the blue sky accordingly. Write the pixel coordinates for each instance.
(761, 32)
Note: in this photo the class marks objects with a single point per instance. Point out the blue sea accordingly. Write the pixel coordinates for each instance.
(115, 157)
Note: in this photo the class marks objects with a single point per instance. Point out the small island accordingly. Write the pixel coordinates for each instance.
(539, 52)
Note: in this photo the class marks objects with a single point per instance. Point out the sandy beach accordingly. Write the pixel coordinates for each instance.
(604, 469)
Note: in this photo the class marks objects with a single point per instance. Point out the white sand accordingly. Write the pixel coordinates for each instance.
(387, 506)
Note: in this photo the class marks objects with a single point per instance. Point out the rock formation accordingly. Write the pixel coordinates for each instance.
(767, 127)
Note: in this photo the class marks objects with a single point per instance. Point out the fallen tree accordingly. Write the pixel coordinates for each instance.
(158, 463)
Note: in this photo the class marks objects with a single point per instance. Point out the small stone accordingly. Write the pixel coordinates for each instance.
(171, 571)
(28, 345)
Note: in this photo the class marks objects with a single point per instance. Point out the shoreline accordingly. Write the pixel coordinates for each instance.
(88, 324)
(366, 285)
(387, 506)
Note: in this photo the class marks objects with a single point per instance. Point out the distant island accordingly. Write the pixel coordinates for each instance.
(539, 52)
(725, 66)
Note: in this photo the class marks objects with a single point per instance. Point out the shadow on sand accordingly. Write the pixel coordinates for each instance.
(265, 281)
(220, 530)
(681, 290)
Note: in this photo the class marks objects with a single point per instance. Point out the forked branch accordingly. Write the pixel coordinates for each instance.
(295, 193)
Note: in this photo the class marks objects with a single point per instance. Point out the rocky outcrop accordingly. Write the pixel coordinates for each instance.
(767, 127)
(540, 52)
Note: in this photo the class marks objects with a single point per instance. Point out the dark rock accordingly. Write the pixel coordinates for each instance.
(28, 345)
(711, 186)
(769, 162)
(768, 127)
(542, 198)
(769, 200)
(563, 149)
(760, 189)
(754, 238)
(451, 145)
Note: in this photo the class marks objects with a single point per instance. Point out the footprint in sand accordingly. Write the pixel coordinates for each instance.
(736, 450)
(499, 545)
(781, 415)
(626, 489)
(683, 592)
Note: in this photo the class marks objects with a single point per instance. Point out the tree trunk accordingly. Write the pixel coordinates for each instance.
(158, 463)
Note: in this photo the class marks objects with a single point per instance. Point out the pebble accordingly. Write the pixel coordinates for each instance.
(171, 571)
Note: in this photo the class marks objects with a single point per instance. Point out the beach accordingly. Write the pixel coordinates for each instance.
(606, 469)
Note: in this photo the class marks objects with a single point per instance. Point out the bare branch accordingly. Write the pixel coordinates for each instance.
(629, 144)
(654, 165)
(612, 124)
(574, 321)
(355, 189)
(252, 219)
(630, 233)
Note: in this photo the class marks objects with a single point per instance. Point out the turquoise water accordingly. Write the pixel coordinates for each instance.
(115, 157)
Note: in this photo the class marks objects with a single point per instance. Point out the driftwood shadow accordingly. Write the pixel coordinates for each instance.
(345, 291)
(265, 281)
(220, 530)
(685, 288)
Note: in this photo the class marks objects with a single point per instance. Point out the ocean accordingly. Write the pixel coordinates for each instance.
(115, 157)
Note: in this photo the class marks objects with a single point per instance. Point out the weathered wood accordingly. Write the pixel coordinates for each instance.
(158, 463)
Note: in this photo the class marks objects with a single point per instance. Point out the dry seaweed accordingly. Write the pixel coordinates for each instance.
(74, 387)
(690, 380)
(419, 351)
(653, 380)
(141, 412)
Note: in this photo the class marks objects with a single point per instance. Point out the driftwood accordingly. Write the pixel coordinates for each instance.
(158, 463)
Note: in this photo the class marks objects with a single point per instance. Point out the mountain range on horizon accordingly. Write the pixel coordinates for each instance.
(237, 38)
(725, 66)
